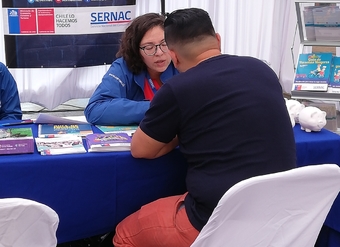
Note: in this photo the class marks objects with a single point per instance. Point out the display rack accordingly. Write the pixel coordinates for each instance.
(305, 41)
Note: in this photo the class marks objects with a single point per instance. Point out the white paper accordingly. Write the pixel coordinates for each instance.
(51, 119)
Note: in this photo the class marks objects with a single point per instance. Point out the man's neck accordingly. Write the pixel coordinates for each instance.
(207, 54)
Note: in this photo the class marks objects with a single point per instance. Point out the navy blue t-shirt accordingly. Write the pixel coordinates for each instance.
(232, 123)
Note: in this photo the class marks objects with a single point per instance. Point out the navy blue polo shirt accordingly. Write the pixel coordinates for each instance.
(232, 123)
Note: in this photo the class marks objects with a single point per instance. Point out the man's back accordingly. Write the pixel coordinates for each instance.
(229, 118)
(232, 124)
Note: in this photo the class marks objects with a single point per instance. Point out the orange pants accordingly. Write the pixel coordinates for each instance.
(163, 222)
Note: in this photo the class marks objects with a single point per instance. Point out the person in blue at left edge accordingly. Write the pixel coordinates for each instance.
(9, 96)
(142, 66)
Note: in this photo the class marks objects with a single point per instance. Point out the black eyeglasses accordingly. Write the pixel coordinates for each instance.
(151, 50)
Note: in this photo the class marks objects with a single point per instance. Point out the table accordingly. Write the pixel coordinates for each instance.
(92, 192)
(321, 148)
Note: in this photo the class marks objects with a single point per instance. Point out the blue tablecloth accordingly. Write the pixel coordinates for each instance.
(92, 192)
(316, 147)
(321, 148)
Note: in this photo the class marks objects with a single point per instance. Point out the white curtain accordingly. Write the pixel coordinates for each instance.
(259, 28)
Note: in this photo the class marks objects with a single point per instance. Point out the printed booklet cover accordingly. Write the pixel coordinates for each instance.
(60, 130)
(118, 129)
(60, 145)
(313, 72)
(16, 141)
(108, 142)
(334, 80)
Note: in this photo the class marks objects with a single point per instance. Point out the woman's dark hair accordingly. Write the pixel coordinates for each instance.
(131, 38)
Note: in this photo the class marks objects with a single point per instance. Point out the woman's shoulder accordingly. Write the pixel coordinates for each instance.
(3, 67)
(119, 69)
(120, 61)
(119, 66)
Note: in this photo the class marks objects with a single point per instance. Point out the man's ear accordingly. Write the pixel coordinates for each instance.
(218, 37)
(174, 58)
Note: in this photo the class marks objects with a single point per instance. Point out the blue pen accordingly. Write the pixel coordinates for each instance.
(28, 121)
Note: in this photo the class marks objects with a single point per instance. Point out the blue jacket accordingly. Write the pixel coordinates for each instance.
(9, 96)
(119, 98)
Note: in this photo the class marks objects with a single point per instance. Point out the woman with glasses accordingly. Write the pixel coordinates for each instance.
(142, 66)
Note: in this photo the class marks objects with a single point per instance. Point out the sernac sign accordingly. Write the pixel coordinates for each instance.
(69, 20)
(64, 33)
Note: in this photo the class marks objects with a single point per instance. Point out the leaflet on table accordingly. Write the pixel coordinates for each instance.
(108, 142)
(44, 118)
(118, 129)
(60, 130)
(313, 72)
(16, 140)
(62, 145)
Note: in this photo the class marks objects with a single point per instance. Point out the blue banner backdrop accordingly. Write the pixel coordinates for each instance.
(54, 34)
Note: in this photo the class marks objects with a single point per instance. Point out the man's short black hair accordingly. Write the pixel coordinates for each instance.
(187, 25)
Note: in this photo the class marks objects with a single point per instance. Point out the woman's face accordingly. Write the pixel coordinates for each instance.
(158, 62)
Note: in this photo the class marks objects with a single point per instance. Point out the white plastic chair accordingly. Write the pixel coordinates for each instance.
(277, 210)
(27, 223)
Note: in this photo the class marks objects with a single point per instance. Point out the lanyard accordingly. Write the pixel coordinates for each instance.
(152, 85)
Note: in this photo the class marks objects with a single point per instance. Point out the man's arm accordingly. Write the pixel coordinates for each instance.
(143, 146)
